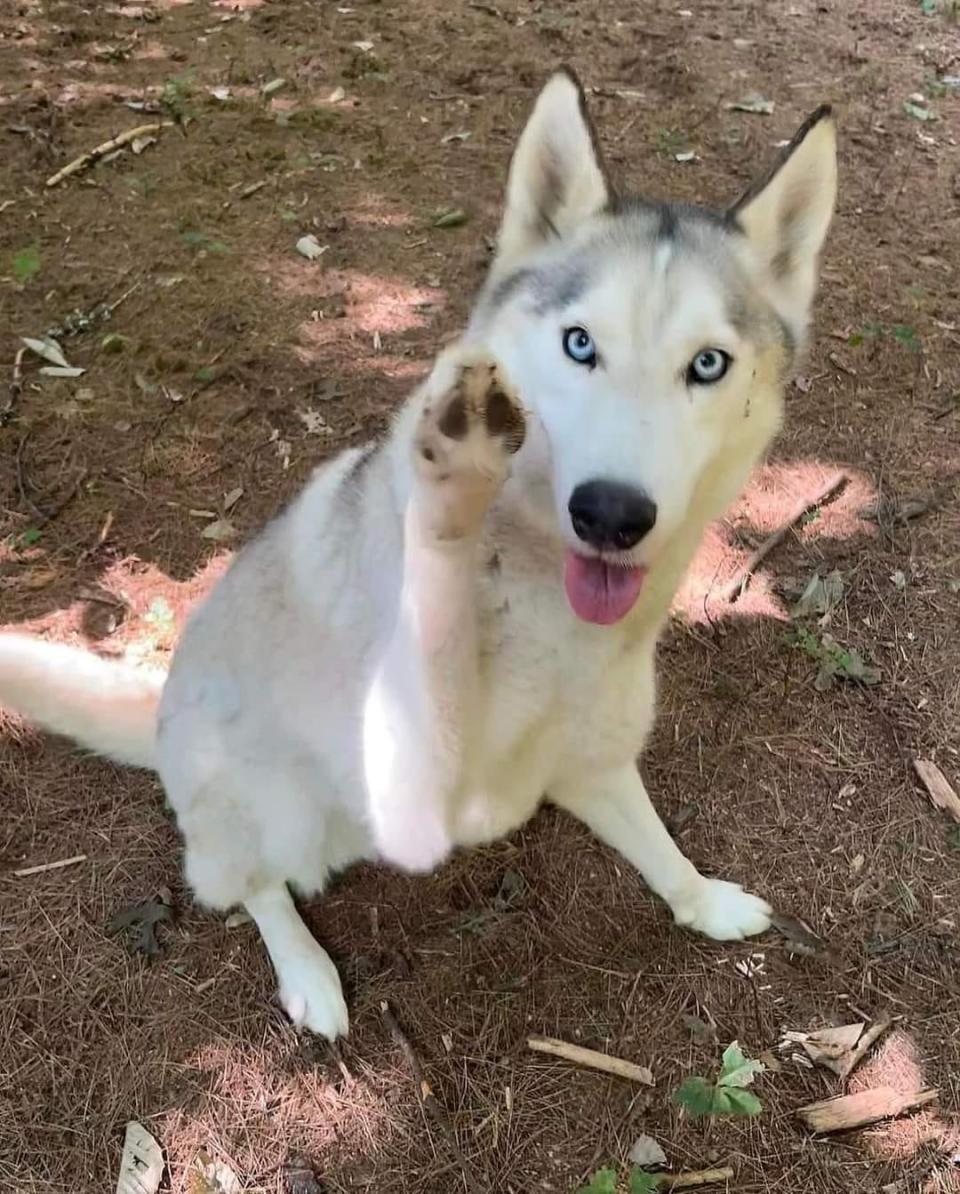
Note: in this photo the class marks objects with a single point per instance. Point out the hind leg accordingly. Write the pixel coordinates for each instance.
(239, 851)
(310, 988)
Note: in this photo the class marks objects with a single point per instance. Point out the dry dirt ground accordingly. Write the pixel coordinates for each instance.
(218, 361)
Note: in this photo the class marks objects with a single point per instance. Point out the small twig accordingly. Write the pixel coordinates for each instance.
(591, 1059)
(43, 867)
(16, 385)
(94, 155)
(694, 1178)
(735, 589)
(428, 1099)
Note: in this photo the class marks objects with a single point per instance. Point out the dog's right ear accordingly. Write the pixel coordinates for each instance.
(557, 177)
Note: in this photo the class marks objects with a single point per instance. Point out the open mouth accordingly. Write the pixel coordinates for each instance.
(601, 591)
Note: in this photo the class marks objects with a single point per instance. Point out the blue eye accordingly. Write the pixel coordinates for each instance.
(578, 345)
(708, 366)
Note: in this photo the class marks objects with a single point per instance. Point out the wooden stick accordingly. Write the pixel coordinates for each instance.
(94, 155)
(43, 867)
(591, 1059)
(739, 583)
(693, 1178)
(428, 1099)
(939, 788)
(861, 1109)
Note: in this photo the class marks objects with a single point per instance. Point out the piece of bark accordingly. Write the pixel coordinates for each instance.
(939, 788)
(861, 1109)
(592, 1059)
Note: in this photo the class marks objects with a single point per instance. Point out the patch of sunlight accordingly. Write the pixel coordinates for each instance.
(255, 1113)
(156, 608)
(897, 1063)
(773, 495)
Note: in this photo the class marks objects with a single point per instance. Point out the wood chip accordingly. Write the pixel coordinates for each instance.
(861, 1109)
(592, 1059)
(939, 788)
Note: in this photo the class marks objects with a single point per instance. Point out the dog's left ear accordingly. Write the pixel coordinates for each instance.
(557, 177)
(786, 216)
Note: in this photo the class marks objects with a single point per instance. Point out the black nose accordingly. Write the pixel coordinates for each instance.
(606, 514)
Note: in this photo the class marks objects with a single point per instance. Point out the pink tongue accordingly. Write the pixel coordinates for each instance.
(599, 592)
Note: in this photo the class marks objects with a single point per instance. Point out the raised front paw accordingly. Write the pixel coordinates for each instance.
(721, 910)
(463, 445)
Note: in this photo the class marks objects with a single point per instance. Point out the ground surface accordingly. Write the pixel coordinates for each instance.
(243, 364)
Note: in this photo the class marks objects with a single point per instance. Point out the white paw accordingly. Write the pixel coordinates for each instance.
(311, 994)
(466, 437)
(721, 910)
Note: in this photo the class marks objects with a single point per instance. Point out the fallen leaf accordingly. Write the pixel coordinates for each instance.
(820, 597)
(47, 348)
(363, 46)
(336, 95)
(895, 509)
(236, 919)
(308, 246)
(61, 371)
(647, 1153)
(917, 112)
(141, 1163)
(899, 578)
(211, 1176)
(753, 103)
(230, 499)
(139, 144)
(220, 93)
(313, 421)
(687, 156)
(143, 919)
(450, 218)
(220, 531)
(454, 137)
(272, 87)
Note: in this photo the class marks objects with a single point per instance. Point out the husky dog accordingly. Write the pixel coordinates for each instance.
(446, 628)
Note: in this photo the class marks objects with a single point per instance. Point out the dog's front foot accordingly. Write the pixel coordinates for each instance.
(721, 910)
(311, 994)
(466, 437)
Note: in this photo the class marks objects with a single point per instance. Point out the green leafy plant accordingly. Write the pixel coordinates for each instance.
(728, 1095)
(26, 263)
(902, 333)
(604, 1181)
(175, 96)
(836, 661)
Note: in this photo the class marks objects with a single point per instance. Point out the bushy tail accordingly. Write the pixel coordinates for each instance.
(109, 707)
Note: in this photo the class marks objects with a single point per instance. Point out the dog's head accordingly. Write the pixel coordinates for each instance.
(649, 341)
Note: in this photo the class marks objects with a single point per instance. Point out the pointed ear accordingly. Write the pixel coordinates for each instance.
(786, 216)
(557, 177)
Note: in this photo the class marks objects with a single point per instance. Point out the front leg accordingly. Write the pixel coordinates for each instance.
(617, 808)
(421, 702)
